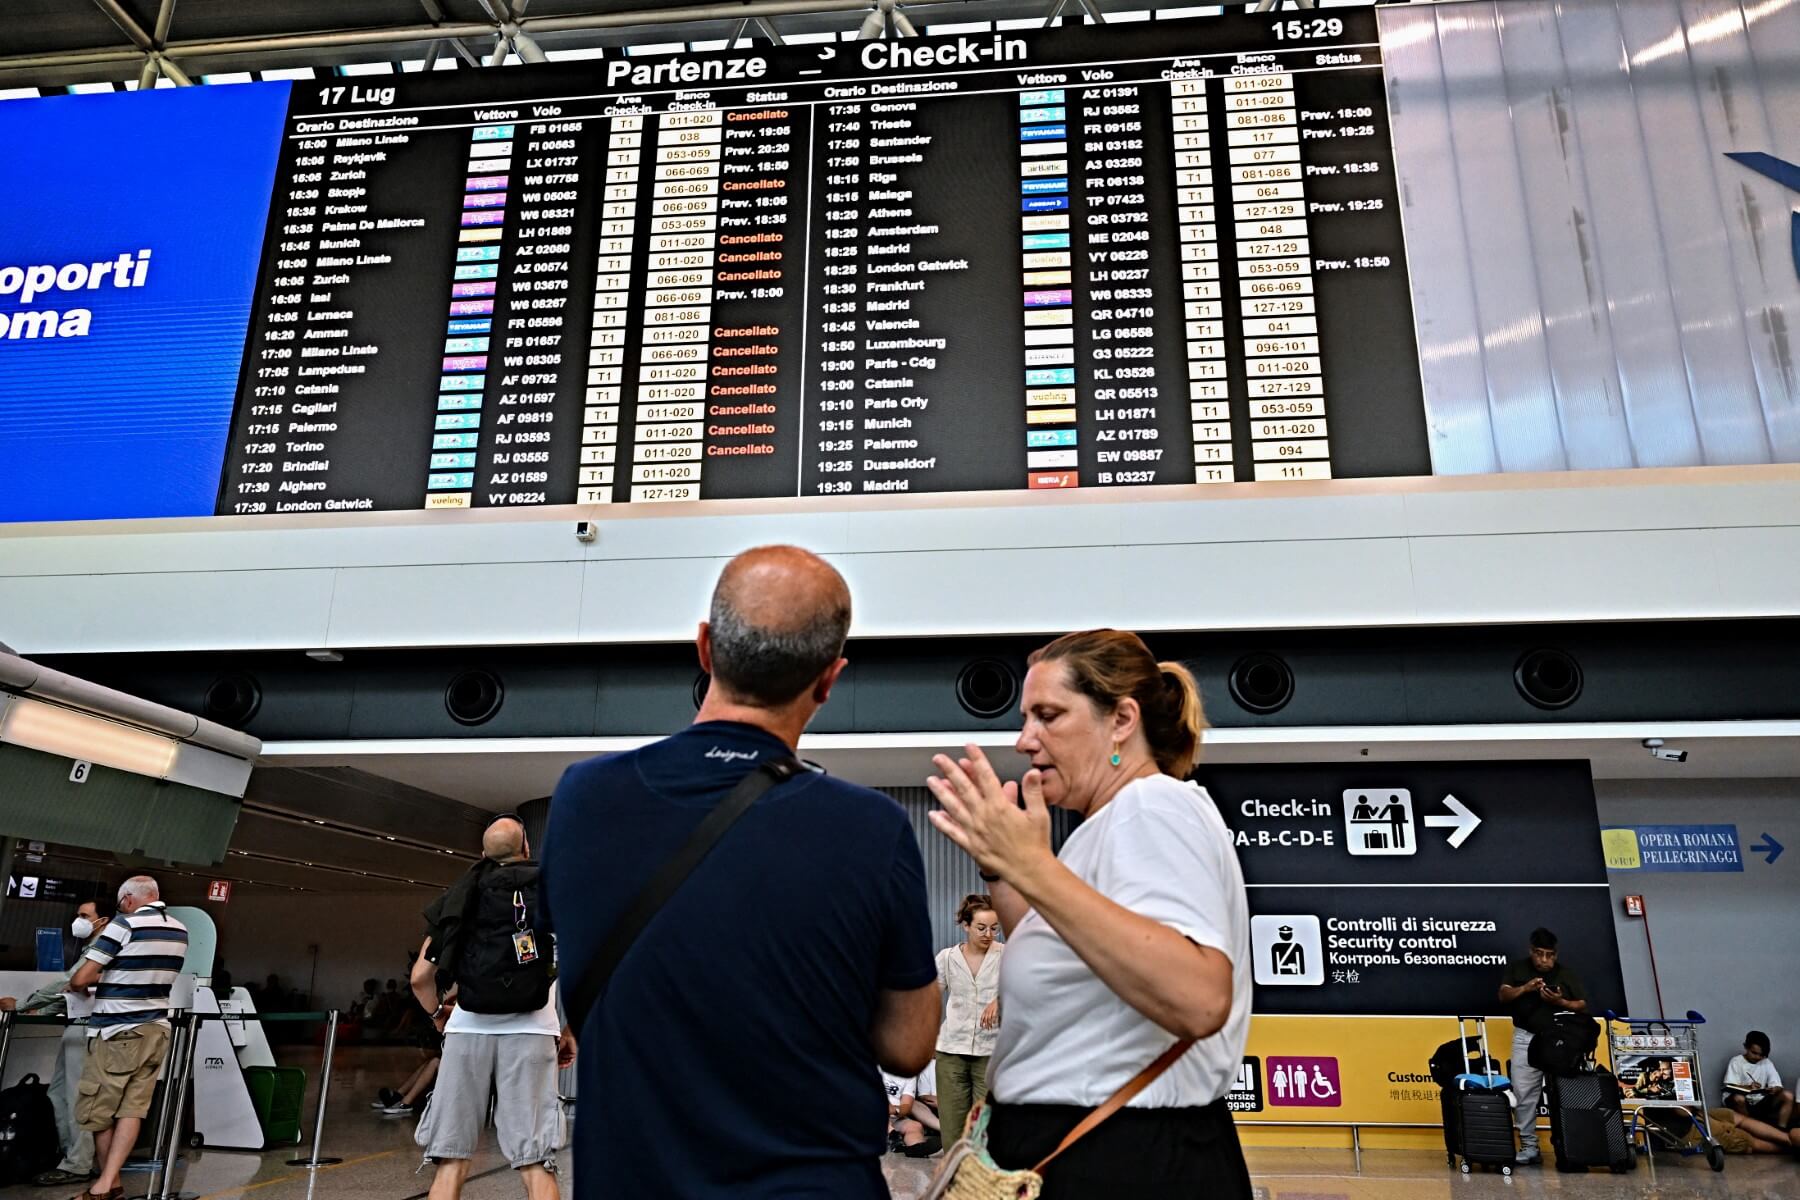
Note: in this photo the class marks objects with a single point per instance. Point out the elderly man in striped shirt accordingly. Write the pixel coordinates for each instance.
(132, 967)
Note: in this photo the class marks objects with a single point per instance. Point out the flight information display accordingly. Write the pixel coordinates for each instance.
(1161, 253)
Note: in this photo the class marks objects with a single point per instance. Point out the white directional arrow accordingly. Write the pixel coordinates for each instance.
(1461, 819)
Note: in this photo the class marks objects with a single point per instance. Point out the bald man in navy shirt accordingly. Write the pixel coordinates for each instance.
(792, 963)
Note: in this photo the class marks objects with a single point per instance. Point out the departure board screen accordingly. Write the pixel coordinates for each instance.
(1161, 253)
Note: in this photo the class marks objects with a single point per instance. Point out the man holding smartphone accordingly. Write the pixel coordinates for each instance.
(1534, 990)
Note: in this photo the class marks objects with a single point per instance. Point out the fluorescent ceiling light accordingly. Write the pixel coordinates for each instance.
(54, 729)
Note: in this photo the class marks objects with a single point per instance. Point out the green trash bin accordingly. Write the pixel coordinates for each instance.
(277, 1094)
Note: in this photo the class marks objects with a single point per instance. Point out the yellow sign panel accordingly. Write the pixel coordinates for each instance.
(1353, 1070)
(1325, 1071)
(1620, 846)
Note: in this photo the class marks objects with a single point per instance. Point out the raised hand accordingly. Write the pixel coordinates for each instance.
(984, 816)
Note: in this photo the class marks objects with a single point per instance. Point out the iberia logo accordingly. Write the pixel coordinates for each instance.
(1782, 172)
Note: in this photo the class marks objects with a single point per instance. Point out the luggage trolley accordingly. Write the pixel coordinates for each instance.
(1657, 1064)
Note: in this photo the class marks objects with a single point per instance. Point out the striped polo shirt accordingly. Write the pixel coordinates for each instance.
(140, 953)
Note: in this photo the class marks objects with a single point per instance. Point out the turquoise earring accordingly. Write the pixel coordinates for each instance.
(1115, 756)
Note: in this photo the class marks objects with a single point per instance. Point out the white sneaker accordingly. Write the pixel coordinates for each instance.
(1528, 1156)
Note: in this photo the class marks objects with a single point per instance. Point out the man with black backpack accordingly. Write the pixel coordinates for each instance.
(1534, 990)
(488, 980)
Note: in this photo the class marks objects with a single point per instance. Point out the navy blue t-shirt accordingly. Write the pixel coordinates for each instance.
(730, 1055)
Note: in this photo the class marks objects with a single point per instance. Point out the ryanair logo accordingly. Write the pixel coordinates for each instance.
(1783, 172)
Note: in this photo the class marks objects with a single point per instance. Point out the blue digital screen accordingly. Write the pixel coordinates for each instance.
(131, 227)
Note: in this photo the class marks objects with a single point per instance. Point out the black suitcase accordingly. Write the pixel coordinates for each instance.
(1483, 1118)
(1478, 1112)
(1587, 1122)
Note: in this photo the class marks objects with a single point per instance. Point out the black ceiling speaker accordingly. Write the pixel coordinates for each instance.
(702, 685)
(987, 688)
(1261, 683)
(1548, 678)
(232, 700)
(474, 696)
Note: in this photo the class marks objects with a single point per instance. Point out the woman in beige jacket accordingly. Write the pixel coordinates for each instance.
(969, 975)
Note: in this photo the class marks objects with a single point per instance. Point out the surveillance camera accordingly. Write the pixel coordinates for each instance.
(1658, 750)
(586, 531)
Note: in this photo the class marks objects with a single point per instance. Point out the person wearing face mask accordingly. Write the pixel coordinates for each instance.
(132, 967)
(77, 1163)
(1129, 949)
(969, 976)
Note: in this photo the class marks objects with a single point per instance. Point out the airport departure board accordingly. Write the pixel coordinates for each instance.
(1159, 253)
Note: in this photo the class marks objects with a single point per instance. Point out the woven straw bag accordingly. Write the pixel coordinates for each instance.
(968, 1172)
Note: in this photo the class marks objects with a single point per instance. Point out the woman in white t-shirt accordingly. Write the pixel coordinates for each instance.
(1135, 936)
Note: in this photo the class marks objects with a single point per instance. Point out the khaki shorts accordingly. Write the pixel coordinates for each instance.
(118, 1078)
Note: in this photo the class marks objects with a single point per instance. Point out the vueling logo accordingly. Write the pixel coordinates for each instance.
(1782, 172)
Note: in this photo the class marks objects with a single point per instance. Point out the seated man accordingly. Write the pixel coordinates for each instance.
(363, 1007)
(1753, 1086)
(387, 1009)
(409, 1097)
(912, 1113)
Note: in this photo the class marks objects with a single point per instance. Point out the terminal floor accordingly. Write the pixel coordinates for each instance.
(380, 1161)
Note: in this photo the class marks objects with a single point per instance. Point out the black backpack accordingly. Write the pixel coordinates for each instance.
(28, 1137)
(1565, 1047)
(1460, 1057)
(491, 951)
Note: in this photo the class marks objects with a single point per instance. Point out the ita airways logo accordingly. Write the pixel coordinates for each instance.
(1304, 1083)
(1782, 172)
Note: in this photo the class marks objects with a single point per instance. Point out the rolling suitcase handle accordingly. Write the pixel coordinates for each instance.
(1487, 1058)
(1476, 1142)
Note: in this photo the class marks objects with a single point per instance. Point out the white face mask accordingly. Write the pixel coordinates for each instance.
(82, 928)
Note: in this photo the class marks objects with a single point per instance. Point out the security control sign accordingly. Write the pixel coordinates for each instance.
(1406, 888)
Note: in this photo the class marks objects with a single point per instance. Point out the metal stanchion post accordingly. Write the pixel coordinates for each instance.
(186, 1078)
(6, 1032)
(159, 1146)
(331, 1024)
(168, 1120)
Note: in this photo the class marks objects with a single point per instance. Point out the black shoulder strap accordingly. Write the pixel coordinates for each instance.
(449, 934)
(595, 974)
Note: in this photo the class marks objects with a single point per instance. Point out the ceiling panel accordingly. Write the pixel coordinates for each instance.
(44, 26)
(345, 797)
(352, 855)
